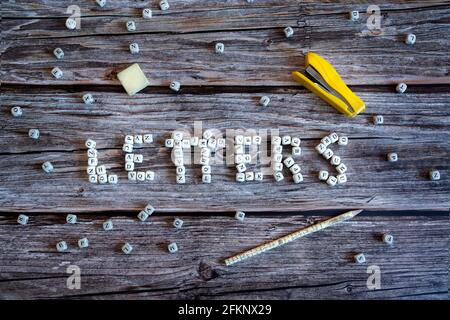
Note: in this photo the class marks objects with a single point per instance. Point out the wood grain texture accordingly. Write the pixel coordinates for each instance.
(257, 54)
(317, 266)
(417, 133)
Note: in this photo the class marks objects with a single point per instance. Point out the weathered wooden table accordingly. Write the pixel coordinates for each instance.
(223, 91)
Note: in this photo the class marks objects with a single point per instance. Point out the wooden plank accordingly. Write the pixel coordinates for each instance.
(257, 55)
(418, 133)
(316, 267)
(185, 8)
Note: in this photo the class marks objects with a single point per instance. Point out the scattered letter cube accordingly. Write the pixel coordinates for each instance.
(172, 247)
(127, 248)
(164, 5)
(175, 86)
(288, 32)
(410, 39)
(59, 53)
(16, 111)
(264, 101)
(61, 246)
(388, 239)
(354, 15)
(134, 48)
(71, 218)
(401, 87)
(147, 13)
(34, 133)
(88, 98)
(220, 48)
(107, 225)
(83, 243)
(178, 223)
(392, 157)
(47, 167)
(239, 215)
(360, 258)
(435, 175)
(323, 175)
(131, 26)
(22, 219)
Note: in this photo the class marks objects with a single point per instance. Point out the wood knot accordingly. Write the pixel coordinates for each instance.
(206, 272)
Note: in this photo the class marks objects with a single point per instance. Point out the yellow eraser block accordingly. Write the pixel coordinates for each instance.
(133, 79)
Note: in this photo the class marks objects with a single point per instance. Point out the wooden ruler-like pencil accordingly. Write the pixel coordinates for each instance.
(291, 237)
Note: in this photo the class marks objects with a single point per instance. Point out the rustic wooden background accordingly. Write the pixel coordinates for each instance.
(223, 93)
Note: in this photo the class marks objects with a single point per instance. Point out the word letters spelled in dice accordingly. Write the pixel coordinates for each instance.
(354, 15)
(239, 215)
(71, 218)
(335, 160)
(392, 157)
(93, 178)
(178, 223)
(360, 258)
(92, 153)
(57, 73)
(101, 3)
(341, 178)
(143, 215)
(47, 167)
(388, 239)
(331, 181)
(249, 176)
(164, 5)
(71, 23)
(323, 175)
(172, 247)
(410, 39)
(298, 177)
(127, 147)
(140, 176)
(288, 32)
(88, 98)
(259, 176)
(435, 175)
(295, 142)
(240, 177)
(138, 139)
(264, 101)
(341, 168)
(92, 162)
(148, 138)
(107, 225)
(131, 26)
(320, 148)
(343, 141)
(220, 48)
(59, 53)
(90, 143)
(326, 141)
(328, 154)
(276, 140)
(286, 140)
(149, 175)
(113, 179)
(277, 166)
(378, 119)
(83, 243)
(127, 248)
(334, 137)
(103, 178)
(22, 219)
(134, 48)
(16, 111)
(401, 87)
(206, 178)
(132, 175)
(278, 176)
(61, 246)
(34, 133)
(295, 169)
(147, 13)
(175, 86)
(289, 162)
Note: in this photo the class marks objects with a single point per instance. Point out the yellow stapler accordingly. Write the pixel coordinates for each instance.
(322, 79)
